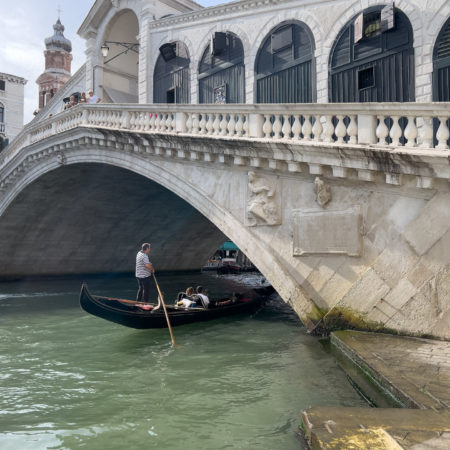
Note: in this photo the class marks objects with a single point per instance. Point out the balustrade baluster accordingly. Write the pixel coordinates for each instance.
(306, 128)
(286, 128)
(223, 125)
(396, 131)
(352, 130)
(246, 124)
(195, 123)
(157, 121)
(340, 130)
(426, 133)
(163, 124)
(443, 133)
(329, 129)
(209, 125)
(317, 128)
(202, 124)
(382, 131)
(231, 125)
(239, 126)
(146, 120)
(296, 127)
(216, 124)
(152, 121)
(411, 132)
(170, 122)
(267, 127)
(142, 120)
(276, 127)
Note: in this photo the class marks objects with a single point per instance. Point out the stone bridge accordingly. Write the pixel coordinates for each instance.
(344, 208)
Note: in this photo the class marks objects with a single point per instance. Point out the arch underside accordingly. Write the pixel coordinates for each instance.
(92, 218)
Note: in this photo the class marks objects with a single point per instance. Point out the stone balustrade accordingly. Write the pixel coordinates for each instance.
(384, 125)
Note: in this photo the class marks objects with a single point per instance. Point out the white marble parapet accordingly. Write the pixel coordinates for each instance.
(326, 137)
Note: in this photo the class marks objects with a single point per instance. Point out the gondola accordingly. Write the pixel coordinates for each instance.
(143, 316)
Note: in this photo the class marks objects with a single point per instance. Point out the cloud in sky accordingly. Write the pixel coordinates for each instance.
(25, 24)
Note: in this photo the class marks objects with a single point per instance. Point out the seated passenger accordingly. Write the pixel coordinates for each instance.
(204, 300)
(185, 298)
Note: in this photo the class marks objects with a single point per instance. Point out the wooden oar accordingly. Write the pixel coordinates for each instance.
(165, 310)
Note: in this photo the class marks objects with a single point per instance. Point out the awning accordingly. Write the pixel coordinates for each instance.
(228, 245)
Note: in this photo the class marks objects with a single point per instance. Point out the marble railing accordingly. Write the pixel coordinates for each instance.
(406, 125)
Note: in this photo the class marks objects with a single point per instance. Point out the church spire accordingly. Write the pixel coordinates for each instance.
(58, 60)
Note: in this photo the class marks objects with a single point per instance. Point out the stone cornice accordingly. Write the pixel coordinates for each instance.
(384, 168)
(13, 78)
(226, 9)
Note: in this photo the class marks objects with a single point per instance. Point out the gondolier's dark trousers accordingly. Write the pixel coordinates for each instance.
(144, 289)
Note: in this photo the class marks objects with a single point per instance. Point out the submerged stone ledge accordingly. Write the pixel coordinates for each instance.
(413, 372)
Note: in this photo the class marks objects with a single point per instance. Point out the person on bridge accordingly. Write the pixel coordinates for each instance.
(144, 270)
(93, 98)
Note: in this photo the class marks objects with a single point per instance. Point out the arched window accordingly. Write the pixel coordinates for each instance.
(120, 66)
(372, 59)
(171, 77)
(221, 70)
(284, 68)
(441, 65)
(2, 114)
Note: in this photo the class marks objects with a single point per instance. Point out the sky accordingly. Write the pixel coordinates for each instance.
(25, 24)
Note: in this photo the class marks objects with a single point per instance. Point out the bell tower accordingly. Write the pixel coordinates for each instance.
(58, 60)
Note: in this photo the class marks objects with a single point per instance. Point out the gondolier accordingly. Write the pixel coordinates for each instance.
(144, 270)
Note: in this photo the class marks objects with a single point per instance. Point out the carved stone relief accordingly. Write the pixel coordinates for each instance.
(322, 191)
(263, 203)
(61, 158)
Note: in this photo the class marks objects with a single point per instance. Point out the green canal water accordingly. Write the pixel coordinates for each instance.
(69, 380)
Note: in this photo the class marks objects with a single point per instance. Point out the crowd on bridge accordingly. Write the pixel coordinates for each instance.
(77, 98)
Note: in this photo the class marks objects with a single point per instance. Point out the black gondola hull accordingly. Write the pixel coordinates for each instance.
(128, 314)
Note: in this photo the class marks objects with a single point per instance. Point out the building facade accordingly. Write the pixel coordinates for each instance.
(11, 107)
(58, 60)
(275, 51)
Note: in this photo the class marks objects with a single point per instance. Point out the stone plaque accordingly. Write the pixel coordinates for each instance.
(327, 232)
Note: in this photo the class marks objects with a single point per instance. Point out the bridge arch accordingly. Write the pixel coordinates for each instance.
(186, 189)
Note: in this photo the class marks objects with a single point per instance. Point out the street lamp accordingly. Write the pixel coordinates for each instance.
(133, 46)
(105, 50)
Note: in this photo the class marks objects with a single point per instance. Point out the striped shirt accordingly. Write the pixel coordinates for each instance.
(141, 261)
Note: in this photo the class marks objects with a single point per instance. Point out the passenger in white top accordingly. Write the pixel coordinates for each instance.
(204, 298)
(144, 270)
